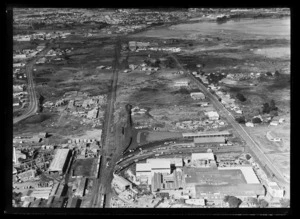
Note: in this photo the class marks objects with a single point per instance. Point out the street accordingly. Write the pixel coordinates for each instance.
(240, 130)
(33, 102)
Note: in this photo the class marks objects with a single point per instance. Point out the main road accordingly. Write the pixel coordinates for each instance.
(239, 129)
(33, 102)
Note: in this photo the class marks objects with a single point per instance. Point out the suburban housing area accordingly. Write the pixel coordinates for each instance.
(151, 108)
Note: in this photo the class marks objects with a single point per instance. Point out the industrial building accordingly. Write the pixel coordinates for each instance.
(197, 95)
(145, 171)
(60, 161)
(209, 140)
(164, 181)
(206, 134)
(213, 183)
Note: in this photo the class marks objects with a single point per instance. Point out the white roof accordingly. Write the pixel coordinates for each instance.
(59, 160)
(248, 173)
(143, 167)
(159, 164)
(202, 156)
(212, 113)
(177, 161)
(197, 93)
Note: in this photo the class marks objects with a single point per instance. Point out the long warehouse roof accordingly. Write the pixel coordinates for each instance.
(209, 140)
(59, 160)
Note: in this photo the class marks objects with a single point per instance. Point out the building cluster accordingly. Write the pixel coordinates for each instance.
(54, 55)
(81, 104)
(41, 36)
(199, 180)
(206, 124)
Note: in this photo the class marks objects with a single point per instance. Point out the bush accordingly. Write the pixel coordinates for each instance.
(263, 203)
(266, 108)
(233, 202)
(241, 119)
(240, 97)
(248, 156)
(256, 120)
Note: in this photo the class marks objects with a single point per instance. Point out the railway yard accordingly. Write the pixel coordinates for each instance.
(182, 114)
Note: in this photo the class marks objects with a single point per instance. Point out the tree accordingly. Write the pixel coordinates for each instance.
(266, 108)
(273, 113)
(233, 202)
(248, 156)
(241, 119)
(285, 203)
(253, 201)
(263, 203)
(277, 73)
(268, 73)
(241, 97)
(256, 120)
(273, 106)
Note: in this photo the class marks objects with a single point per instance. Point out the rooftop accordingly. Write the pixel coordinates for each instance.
(203, 156)
(59, 160)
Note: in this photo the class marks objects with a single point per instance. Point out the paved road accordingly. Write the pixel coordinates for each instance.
(33, 102)
(240, 130)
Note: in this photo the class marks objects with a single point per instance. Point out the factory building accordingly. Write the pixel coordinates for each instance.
(206, 134)
(60, 161)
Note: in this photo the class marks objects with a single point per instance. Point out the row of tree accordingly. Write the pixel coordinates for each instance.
(235, 202)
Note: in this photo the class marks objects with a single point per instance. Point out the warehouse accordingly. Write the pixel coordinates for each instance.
(209, 140)
(60, 161)
(206, 134)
